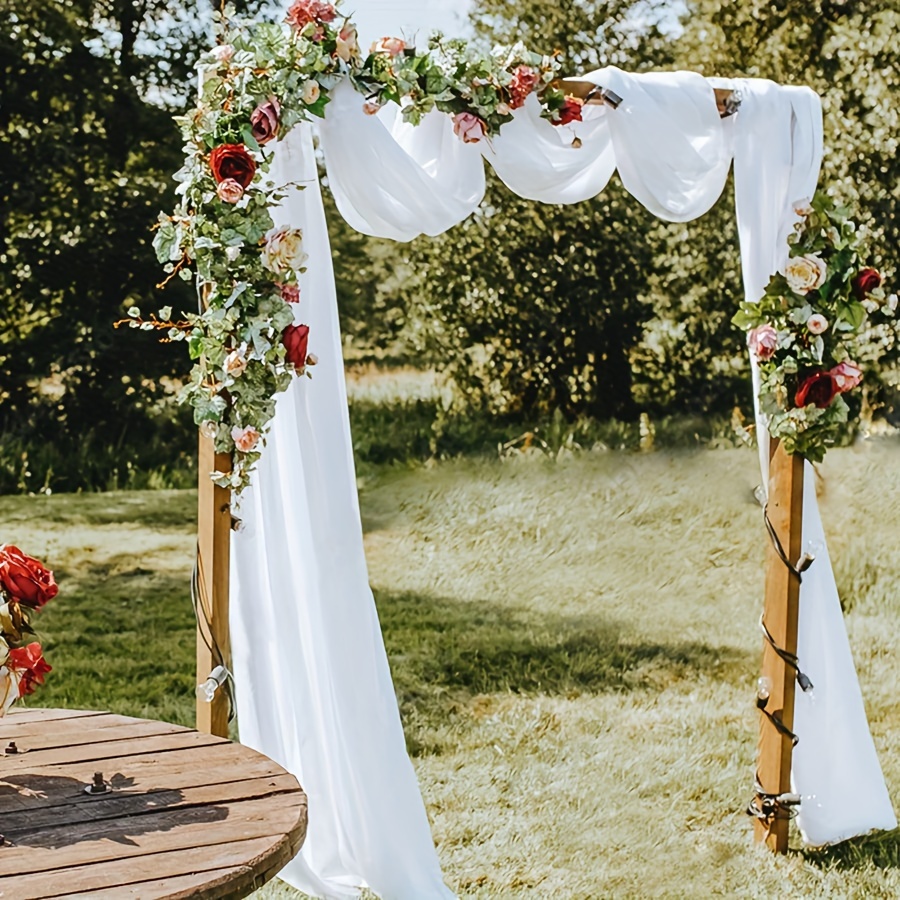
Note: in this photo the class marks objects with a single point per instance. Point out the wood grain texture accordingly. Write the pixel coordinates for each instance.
(782, 613)
(213, 552)
(191, 815)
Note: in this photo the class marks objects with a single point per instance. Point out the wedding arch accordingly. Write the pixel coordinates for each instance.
(405, 136)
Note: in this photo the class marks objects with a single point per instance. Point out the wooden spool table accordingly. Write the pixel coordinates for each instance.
(187, 815)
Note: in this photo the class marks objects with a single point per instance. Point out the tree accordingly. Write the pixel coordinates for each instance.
(534, 307)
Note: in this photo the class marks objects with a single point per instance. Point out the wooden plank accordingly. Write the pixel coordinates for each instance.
(237, 882)
(21, 715)
(781, 615)
(213, 550)
(216, 763)
(74, 732)
(183, 830)
(75, 807)
(224, 860)
(97, 753)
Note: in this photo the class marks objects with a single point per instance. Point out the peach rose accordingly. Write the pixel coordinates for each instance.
(310, 92)
(246, 438)
(235, 363)
(393, 46)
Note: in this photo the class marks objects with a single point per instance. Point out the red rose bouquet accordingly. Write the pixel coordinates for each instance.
(26, 585)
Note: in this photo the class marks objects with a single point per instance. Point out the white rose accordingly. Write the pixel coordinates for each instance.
(805, 273)
(232, 253)
(803, 207)
(817, 324)
(284, 250)
(310, 92)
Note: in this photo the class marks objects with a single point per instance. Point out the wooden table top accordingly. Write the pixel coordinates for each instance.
(189, 815)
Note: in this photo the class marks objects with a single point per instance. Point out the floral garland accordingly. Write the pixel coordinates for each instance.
(803, 331)
(25, 586)
(256, 84)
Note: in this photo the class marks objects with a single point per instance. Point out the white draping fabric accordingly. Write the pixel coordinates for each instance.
(778, 153)
(314, 689)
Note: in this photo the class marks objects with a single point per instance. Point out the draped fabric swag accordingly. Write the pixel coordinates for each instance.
(314, 690)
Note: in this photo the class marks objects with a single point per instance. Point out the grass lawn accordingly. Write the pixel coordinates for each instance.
(574, 647)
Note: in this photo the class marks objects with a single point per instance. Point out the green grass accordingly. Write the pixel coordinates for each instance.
(574, 647)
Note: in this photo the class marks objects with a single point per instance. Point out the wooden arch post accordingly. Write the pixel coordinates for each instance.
(781, 617)
(212, 584)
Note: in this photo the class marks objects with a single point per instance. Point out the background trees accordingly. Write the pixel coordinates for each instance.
(592, 310)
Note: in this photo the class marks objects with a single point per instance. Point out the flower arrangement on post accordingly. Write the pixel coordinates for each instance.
(25, 586)
(802, 331)
(245, 339)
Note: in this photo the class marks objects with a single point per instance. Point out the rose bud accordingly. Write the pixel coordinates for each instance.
(866, 282)
(264, 121)
(817, 324)
(229, 191)
(296, 342)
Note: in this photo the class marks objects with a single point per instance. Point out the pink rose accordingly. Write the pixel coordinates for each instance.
(817, 324)
(524, 81)
(302, 12)
(246, 438)
(393, 46)
(290, 293)
(230, 191)
(264, 121)
(847, 376)
(763, 342)
(468, 127)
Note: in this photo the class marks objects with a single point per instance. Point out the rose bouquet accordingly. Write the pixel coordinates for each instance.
(25, 586)
(803, 331)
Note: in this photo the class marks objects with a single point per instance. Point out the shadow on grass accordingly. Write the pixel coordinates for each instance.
(881, 850)
(444, 652)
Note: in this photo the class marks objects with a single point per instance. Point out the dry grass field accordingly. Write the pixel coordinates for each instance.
(574, 647)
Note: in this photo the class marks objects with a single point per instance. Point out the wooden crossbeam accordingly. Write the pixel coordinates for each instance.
(727, 101)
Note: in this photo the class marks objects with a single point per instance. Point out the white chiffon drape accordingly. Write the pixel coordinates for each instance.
(313, 686)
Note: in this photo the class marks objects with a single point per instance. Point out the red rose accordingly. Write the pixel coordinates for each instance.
(264, 121)
(866, 282)
(296, 342)
(232, 161)
(25, 579)
(29, 665)
(818, 389)
(570, 111)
